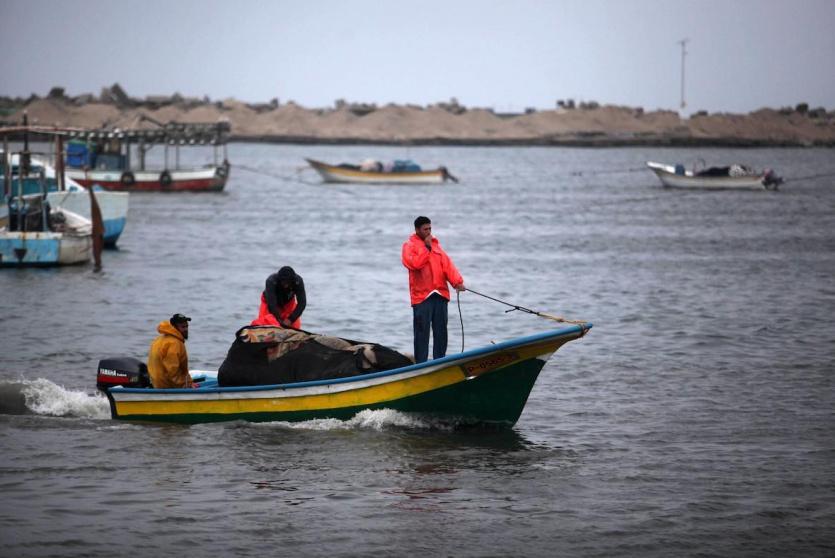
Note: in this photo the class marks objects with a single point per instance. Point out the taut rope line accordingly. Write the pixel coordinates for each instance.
(293, 178)
(460, 317)
(581, 323)
(528, 310)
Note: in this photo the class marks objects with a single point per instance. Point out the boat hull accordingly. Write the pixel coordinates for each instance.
(209, 179)
(335, 174)
(488, 385)
(668, 177)
(36, 249)
(113, 206)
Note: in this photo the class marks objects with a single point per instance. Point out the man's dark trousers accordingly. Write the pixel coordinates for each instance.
(432, 312)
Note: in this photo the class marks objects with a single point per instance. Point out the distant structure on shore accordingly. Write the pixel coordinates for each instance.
(445, 123)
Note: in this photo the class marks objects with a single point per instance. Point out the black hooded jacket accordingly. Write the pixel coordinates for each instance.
(277, 296)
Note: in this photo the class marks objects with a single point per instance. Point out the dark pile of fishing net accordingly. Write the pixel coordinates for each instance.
(264, 355)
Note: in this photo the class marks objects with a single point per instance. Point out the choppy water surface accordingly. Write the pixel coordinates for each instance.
(696, 418)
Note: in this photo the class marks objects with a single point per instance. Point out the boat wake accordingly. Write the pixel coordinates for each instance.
(380, 419)
(43, 397)
(46, 398)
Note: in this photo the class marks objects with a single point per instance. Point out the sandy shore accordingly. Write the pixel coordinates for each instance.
(444, 123)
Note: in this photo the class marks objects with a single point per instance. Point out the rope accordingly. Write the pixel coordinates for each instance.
(810, 176)
(294, 179)
(615, 171)
(460, 317)
(529, 311)
(286, 178)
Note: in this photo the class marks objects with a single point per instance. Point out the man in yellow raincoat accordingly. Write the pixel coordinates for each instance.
(168, 359)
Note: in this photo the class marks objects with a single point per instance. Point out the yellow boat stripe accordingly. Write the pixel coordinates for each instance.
(349, 398)
(371, 174)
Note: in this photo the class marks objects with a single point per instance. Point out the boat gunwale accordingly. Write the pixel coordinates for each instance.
(573, 331)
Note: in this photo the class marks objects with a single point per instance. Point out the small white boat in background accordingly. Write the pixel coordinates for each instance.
(732, 177)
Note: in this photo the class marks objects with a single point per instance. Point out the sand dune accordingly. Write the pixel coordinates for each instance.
(445, 124)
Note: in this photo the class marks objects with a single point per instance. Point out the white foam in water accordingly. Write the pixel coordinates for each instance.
(368, 419)
(46, 398)
(378, 420)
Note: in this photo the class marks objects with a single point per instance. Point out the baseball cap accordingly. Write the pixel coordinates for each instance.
(179, 319)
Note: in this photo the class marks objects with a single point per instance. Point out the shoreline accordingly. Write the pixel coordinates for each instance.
(596, 142)
(442, 124)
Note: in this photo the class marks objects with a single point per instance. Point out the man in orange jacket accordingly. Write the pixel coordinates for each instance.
(430, 269)
(283, 300)
(168, 359)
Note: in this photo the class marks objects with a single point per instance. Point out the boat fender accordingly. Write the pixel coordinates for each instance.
(165, 178)
(680, 169)
(128, 179)
(122, 371)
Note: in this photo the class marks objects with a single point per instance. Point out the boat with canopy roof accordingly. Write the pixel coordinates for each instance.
(118, 159)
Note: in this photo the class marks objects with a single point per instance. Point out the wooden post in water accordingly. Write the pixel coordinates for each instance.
(98, 228)
(7, 169)
(59, 163)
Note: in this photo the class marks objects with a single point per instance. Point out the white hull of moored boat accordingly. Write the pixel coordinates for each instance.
(668, 176)
(113, 206)
(43, 248)
(207, 179)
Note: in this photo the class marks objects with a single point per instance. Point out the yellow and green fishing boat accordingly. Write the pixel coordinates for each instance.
(356, 174)
(485, 385)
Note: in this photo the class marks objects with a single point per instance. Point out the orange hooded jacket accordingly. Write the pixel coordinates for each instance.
(168, 359)
(428, 271)
(265, 317)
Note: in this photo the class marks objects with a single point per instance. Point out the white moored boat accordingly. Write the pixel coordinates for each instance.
(734, 177)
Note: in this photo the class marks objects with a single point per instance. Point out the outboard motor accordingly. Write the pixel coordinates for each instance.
(122, 371)
(771, 181)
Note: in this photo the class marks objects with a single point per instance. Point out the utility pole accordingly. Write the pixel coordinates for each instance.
(683, 44)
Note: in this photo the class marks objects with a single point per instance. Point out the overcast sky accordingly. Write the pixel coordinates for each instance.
(742, 54)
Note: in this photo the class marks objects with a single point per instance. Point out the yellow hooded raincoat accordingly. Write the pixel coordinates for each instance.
(168, 359)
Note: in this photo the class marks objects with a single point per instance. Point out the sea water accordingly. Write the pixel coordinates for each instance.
(696, 418)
